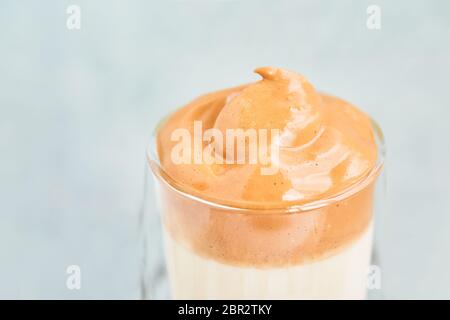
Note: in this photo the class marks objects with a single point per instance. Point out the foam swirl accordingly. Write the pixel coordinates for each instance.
(325, 144)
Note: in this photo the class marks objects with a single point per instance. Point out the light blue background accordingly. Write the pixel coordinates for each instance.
(77, 108)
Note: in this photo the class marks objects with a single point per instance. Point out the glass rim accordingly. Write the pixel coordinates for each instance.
(159, 173)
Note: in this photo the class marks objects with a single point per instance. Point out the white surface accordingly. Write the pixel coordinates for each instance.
(76, 108)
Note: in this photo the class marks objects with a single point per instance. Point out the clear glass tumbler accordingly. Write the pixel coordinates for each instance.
(197, 249)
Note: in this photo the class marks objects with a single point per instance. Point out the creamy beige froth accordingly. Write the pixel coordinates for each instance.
(326, 147)
(326, 144)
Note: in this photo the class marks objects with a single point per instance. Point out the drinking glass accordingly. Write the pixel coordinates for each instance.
(194, 248)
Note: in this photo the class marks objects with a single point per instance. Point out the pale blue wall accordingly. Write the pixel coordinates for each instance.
(77, 107)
